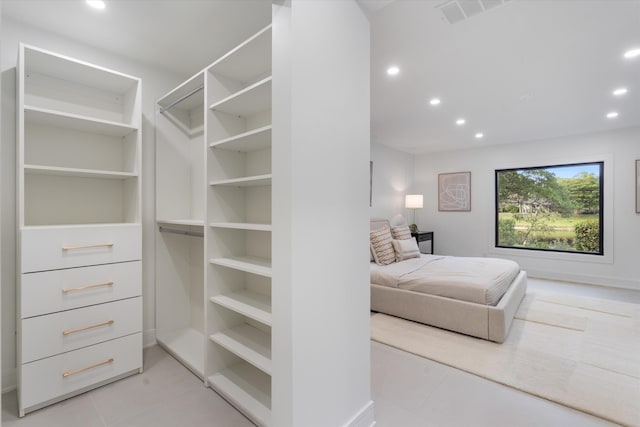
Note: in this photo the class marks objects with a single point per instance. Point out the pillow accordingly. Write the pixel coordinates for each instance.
(405, 249)
(381, 246)
(398, 220)
(401, 233)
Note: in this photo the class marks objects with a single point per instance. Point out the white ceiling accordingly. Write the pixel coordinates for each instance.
(520, 71)
(181, 36)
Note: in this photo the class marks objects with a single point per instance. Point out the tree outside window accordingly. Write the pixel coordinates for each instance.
(551, 208)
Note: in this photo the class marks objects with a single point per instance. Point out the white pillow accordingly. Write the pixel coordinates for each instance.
(406, 249)
(381, 247)
(401, 233)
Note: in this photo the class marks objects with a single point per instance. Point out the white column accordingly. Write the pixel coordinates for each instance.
(321, 347)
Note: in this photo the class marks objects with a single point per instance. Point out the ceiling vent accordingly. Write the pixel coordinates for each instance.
(455, 11)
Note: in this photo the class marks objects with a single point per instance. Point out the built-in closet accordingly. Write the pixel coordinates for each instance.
(180, 200)
(213, 212)
(79, 300)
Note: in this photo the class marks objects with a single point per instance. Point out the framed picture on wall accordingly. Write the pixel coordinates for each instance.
(637, 186)
(454, 192)
(370, 183)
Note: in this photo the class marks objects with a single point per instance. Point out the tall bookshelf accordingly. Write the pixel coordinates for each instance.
(79, 238)
(238, 287)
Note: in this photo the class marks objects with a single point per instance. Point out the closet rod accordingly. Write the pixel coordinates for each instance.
(182, 98)
(183, 232)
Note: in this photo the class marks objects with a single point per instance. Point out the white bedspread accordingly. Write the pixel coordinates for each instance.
(478, 280)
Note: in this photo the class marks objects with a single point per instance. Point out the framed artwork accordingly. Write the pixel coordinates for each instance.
(454, 192)
(370, 183)
(637, 186)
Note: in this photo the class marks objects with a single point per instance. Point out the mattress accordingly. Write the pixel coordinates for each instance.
(477, 280)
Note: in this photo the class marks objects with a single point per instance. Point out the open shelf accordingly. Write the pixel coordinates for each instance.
(82, 173)
(241, 226)
(250, 304)
(75, 121)
(186, 345)
(249, 343)
(186, 222)
(253, 140)
(248, 101)
(251, 393)
(255, 265)
(62, 67)
(249, 181)
(247, 60)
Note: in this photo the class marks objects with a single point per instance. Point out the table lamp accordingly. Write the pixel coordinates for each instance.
(413, 202)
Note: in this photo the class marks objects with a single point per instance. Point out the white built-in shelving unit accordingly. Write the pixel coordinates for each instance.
(238, 288)
(79, 238)
(213, 136)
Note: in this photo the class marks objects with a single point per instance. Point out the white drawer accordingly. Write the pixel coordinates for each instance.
(50, 248)
(45, 379)
(45, 336)
(57, 290)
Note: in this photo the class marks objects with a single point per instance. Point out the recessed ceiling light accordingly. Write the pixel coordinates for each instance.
(620, 91)
(434, 101)
(632, 53)
(612, 115)
(460, 122)
(393, 70)
(479, 135)
(97, 4)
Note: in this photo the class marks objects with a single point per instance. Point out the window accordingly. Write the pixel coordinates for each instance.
(551, 208)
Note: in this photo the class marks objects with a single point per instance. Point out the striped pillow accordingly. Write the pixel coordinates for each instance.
(406, 249)
(381, 246)
(401, 232)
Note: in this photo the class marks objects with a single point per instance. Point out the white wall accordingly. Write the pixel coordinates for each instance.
(320, 215)
(393, 173)
(472, 233)
(155, 83)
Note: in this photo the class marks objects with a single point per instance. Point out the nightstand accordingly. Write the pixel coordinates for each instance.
(425, 241)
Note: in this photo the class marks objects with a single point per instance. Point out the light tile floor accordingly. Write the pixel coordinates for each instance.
(408, 391)
(165, 395)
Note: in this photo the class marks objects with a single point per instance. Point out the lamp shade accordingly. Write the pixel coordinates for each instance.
(413, 201)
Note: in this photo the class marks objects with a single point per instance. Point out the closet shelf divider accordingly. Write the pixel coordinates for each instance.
(248, 343)
(76, 172)
(255, 265)
(253, 140)
(248, 101)
(78, 122)
(237, 385)
(248, 181)
(241, 226)
(250, 304)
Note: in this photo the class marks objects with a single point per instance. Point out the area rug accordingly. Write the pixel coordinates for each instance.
(580, 352)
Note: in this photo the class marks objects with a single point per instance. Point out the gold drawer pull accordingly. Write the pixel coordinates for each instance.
(97, 325)
(97, 365)
(84, 288)
(102, 245)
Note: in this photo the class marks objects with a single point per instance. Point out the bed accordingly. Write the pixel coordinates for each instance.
(473, 296)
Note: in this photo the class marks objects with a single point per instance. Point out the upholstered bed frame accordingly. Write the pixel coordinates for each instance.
(482, 321)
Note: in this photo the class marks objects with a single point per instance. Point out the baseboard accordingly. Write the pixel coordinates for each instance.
(610, 282)
(9, 380)
(149, 338)
(364, 417)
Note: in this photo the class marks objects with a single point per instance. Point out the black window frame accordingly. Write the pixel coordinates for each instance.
(600, 252)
